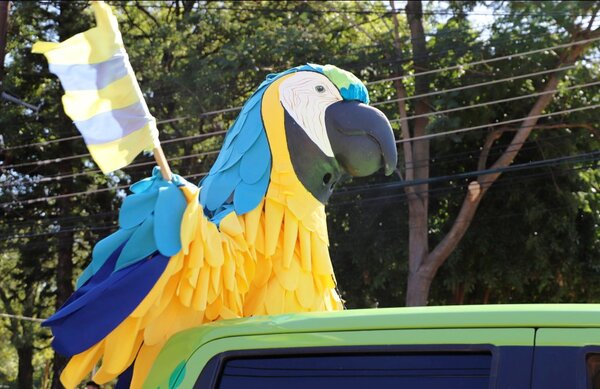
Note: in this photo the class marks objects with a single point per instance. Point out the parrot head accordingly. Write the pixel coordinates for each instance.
(332, 131)
(313, 120)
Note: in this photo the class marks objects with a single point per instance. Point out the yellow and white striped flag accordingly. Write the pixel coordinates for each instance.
(102, 95)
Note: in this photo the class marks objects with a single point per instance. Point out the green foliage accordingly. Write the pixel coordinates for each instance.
(535, 237)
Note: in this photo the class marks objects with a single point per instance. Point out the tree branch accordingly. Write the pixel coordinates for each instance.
(470, 204)
(134, 24)
(496, 134)
(145, 11)
(592, 19)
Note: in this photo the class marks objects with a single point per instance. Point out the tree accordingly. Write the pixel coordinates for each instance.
(423, 261)
(196, 57)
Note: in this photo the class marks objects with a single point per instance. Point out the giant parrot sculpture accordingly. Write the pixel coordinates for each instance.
(250, 240)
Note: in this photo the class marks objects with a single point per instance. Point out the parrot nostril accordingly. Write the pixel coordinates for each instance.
(327, 178)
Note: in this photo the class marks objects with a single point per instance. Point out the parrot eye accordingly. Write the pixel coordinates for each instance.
(320, 88)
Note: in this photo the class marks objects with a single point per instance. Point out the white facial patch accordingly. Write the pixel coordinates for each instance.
(306, 96)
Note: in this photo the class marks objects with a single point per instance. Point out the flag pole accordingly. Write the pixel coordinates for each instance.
(162, 162)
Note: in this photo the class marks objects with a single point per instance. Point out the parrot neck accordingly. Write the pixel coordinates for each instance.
(285, 188)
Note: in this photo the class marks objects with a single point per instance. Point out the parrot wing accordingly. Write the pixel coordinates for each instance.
(166, 269)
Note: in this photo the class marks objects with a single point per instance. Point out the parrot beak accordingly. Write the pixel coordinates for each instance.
(361, 138)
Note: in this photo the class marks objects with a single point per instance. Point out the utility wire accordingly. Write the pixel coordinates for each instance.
(59, 177)
(586, 157)
(382, 12)
(439, 192)
(79, 156)
(445, 158)
(57, 160)
(467, 129)
(234, 109)
(371, 201)
(86, 193)
(429, 136)
(510, 56)
(364, 202)
(508, 79)
(484, 104)
(34, 235)
(19, 317)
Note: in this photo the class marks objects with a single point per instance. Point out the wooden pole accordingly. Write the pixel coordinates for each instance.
(162, 162)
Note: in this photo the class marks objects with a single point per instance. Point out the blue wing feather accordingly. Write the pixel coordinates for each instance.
(94, 303)
(222, 186)
(234, 158)
(141, 244)
(136, 209)
(248, 196)
(255, 162)
(170, 207)
(246, 141)
(102, 252)
(137, 221)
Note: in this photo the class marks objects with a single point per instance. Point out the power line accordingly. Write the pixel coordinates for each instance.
(372, 200)
(579, 158)
(467, 129)
(507, 79)
(584, 157)
(234, 109)
(510, 56)
(444, 158)
(61, 159)
(86, 193)
(75, 137)
(376, 200)
(382, 12)
(62, 231)
(429, 136)
(60, 177)
(438, 192)
(19, 317)
(55, 220)
(436, 113)
(439, 159)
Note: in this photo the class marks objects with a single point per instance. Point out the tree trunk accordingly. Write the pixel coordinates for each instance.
(423, 264)
(4, 6)
(64, 289)
(417, 291)
(70, 12)
(416, 159)
(25, 374)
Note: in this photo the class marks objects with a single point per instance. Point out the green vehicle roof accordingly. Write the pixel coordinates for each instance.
(183, 344)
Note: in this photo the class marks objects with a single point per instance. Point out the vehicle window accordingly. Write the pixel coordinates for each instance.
(371, 371)
(593, 371)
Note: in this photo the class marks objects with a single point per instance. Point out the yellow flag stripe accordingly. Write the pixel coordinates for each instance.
(114, 155)
(95, 45)
(84, 104)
